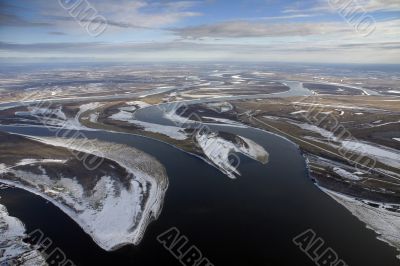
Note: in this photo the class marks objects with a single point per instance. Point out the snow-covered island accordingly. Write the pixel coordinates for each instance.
(127, 114)
(113, 203)
(13, 251)
(55, 115)
(218, 147)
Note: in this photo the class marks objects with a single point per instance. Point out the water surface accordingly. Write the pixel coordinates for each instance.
(247, 221)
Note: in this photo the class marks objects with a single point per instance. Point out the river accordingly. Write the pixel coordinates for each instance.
(248, 221)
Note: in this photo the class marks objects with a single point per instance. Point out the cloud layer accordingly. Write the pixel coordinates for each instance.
(310, 30)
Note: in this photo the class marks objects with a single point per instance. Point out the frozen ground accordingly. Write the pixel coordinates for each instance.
(380, 153)
(346, 174)
(220, 107)
(183, 121)
(12, 248)
(55, 117)
(218, 150)
(224, 121)
(170, 131)
(114, 213)
(384, 222)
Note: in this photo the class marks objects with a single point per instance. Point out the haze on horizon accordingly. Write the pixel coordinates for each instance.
(201, 30)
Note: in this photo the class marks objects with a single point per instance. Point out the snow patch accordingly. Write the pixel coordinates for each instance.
(218, 151)
(113, 213)
(12, 247)
(383, 154)
(138, 104)
(384, 222)
(225, 121)
(94, 117)
(298, 112)
(346, 174)
(170, 131)
(35, 161)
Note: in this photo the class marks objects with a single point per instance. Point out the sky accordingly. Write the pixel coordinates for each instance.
(313, 31)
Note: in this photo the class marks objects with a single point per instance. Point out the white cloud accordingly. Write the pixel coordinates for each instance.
(380, 5)
(145, 13)
(118, 13)
(332, 6)
(243, 29)
(350, 52)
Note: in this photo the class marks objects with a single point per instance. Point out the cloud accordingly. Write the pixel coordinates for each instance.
(9, 17)
(380, 52)
(265, 38)
(118, 13)
(380, 5)
(126, 48)
(332, 6)
(245, 29)
(289, 16)
(56, 33)
(146, 14)
(15, 21)
(135, 14)
(375, 46)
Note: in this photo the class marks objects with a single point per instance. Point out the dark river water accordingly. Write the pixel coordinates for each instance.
(248, 221)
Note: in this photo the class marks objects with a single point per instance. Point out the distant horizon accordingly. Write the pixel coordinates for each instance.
(52, 61)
